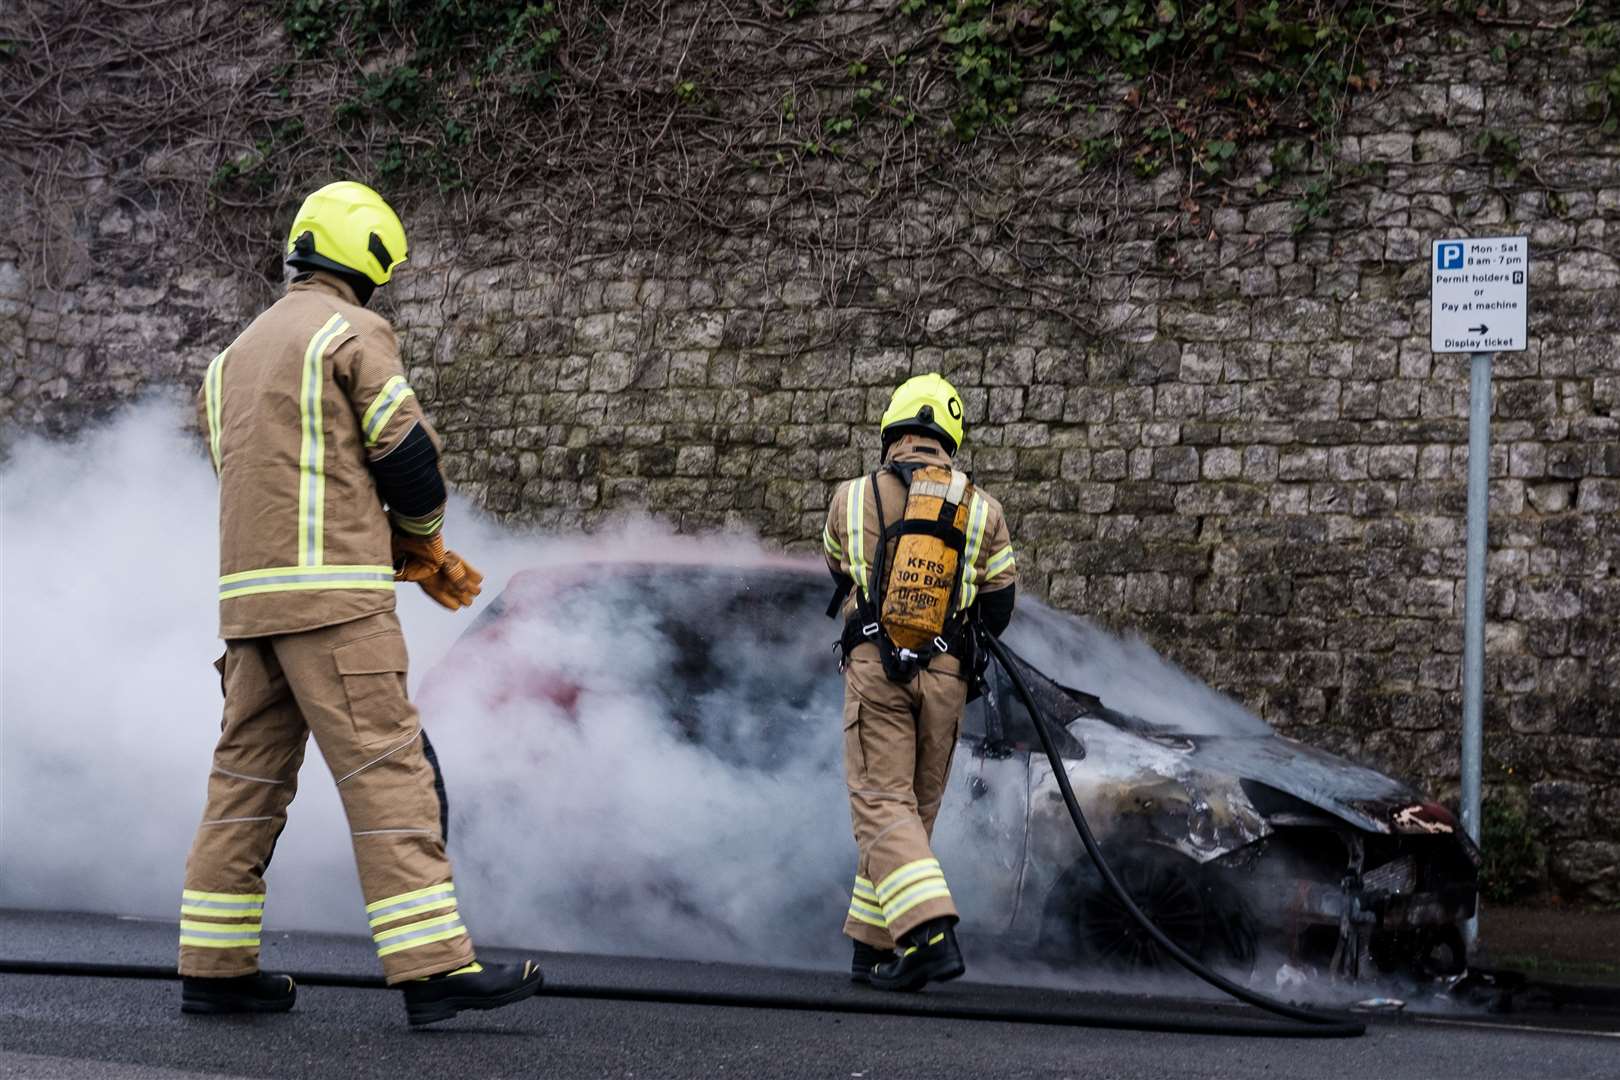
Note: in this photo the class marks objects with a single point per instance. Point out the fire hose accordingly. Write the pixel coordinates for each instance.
(1305, 1023)
(1328, 1025)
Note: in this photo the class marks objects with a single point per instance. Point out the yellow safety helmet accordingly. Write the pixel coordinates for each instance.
(926, 404)
(347, 228)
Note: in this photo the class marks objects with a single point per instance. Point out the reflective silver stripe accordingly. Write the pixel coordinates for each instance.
(937, 891)
(381, 757)
(382, 410)
(245, 776)
(905, 875)
(383, 914)
(237, 820)
(249, 907)
(394, 832)
(247, 933)
(978, 517)
(901, 899)
(312, 452)
(388, 939)
(855, 525)
(830, 543)
(212, 386)
(328, 578)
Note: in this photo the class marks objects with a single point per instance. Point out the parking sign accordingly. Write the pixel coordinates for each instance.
(1479, 295)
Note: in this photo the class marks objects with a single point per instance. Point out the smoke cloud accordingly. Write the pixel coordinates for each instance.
(598, 802)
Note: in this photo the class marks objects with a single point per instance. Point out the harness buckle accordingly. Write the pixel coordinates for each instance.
(870, 629)
(939, 643)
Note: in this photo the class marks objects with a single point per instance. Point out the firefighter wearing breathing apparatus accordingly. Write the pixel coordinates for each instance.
(329, 492)
(919, 555)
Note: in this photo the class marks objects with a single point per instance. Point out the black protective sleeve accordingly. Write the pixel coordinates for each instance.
(996, 608)
(408, 476)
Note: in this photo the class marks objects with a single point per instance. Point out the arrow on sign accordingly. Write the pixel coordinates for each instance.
(1480, 329)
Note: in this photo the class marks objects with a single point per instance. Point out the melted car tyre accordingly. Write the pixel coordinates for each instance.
(1196, 910)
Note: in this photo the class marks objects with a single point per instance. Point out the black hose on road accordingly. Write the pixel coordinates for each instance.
(1305, 1024)
(923, 1007)
(1325, 1025)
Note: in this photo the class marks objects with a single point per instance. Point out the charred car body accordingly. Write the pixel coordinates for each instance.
(1238, 842)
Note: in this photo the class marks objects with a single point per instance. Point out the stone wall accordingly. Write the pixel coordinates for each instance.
(1260, 467)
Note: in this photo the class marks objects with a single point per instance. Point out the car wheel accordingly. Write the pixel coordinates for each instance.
(1087, 924)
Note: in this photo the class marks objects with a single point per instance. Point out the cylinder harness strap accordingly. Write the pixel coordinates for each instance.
(909, 609)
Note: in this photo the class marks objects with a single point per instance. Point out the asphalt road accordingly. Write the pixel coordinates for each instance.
(55, 1026)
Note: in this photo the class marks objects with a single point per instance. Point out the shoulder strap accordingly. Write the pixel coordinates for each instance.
(875, 581)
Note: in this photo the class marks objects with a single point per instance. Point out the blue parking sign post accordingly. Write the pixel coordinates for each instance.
(1479, 303)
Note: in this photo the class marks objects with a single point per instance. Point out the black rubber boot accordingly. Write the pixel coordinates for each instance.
(245, 993)
(927, 954)
(476, 986)
(867, 958)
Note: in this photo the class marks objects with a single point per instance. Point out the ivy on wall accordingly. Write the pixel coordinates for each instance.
(1219, 69)
(451, 68)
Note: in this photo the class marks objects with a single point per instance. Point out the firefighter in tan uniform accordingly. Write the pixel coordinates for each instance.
(329, 489)
(922, 556)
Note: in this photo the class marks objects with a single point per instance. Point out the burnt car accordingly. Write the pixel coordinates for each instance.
(1240, 843)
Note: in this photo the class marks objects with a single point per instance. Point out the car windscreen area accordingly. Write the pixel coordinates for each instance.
(752, 674)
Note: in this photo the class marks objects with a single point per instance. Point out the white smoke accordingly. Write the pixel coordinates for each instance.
(1127, 675)
(583, 817)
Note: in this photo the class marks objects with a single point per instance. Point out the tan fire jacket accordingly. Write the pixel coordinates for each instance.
(988, 563)
(294, 409)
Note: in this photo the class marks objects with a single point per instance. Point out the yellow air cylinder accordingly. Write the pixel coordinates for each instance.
(922, 571)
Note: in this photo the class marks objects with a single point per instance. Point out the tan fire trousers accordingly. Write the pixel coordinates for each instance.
(346, 684)
(898, 742)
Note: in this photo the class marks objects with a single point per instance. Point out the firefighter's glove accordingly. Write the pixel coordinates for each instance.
(417, 558)
(443, 575)
(456, 585)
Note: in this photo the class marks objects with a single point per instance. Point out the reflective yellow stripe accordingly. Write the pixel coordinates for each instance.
(977, 517)
(935, 891)
(193, 894)
(411, 928)
(416, 894)
(861, 915)
(999, 563)
(830, 544)
(220, 911)
(443, 935)
(333, 583)
(246, 927)
(312, 446)
(429, 905)
(855, 525)
(900, 877)
(299, 578)
(211, 943)
(420, 526)
(900, 896)
(389, 399)
(858, 905)
(433, 898)
(212, 382)
(219, 935)
(277, 572)
(865, 889)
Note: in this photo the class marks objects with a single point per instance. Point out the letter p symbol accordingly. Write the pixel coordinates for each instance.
(1448, 256)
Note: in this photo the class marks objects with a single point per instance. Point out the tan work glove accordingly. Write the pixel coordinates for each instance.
(443, 575)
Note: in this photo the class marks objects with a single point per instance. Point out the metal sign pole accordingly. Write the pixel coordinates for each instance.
(1473, 732)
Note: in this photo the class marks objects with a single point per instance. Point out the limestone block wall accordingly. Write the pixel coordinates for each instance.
(1260, 467)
